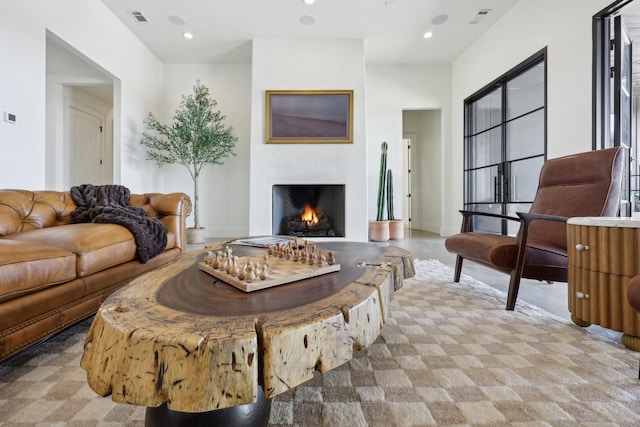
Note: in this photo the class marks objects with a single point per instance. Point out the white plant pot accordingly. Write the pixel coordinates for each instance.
(196, 235)
(379, 231)
(396, 229)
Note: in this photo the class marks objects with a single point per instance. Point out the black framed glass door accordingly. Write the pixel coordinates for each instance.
(505, 144)
(613, 110)
(622, 105)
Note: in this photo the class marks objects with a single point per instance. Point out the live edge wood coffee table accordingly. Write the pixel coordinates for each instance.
(187, 345)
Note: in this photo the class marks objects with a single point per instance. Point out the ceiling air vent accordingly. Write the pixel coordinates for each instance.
(479, 15)
(139, 17)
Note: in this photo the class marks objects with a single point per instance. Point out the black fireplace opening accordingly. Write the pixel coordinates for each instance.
(314, 210)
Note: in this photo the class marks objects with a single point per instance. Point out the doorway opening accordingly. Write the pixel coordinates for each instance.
(422, 170)
(79, 119)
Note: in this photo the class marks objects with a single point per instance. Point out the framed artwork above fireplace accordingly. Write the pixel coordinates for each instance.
(309, 116)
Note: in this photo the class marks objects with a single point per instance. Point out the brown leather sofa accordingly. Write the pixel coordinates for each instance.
(54, 273)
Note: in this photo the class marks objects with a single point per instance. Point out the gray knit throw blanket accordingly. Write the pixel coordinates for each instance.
(109, 204)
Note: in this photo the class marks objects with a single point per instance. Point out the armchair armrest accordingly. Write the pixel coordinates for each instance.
(466, 216)
(528, 217)
(525, 218)
(490, 214)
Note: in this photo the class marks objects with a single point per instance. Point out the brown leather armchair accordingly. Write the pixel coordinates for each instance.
(585, 184)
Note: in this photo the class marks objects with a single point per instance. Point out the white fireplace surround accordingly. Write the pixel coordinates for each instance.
(327, 164)
(312, 65)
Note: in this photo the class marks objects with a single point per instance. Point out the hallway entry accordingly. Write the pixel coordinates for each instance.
(90, 153)
(80, 108)
(422, 169)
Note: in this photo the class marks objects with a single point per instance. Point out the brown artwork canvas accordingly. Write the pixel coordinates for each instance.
(323, 116)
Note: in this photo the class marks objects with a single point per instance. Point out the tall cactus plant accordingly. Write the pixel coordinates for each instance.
(381, 182)
(390, 214)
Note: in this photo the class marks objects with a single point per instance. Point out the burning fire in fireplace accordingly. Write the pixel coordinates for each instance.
(309, 216)
(310, 222)
(308, 210)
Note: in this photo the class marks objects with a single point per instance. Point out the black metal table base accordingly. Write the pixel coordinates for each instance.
(253, 414)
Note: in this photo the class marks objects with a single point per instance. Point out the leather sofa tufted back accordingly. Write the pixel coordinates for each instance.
(22, 210)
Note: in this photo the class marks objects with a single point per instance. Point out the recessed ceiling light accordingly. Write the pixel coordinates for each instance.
(176, 20)
(428, 35)
(187, 35)
(440, 19)
(308, 1)
(307, 20)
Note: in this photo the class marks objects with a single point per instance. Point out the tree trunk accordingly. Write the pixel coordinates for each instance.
(196, 208)
(177, 336)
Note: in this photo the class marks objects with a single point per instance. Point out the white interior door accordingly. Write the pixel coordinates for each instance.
(85, 154)
(408, 180)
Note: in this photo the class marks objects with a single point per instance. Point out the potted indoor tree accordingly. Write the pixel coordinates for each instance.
(196, 137)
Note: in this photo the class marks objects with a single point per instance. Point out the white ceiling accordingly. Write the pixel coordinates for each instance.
(392, 30)
(223, 29)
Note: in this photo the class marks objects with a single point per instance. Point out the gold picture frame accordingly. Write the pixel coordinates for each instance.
(309, 116)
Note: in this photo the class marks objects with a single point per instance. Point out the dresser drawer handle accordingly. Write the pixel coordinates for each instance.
(581, 295)
(580, 247)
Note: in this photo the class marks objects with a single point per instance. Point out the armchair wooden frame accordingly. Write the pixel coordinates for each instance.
(519, 271)
(586, 184)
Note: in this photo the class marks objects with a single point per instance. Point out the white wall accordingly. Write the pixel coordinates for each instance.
(390, 90)
(228, 195)
(22, 88)
(564, 27)
(224, 189)
(102, 38)
(309, 64)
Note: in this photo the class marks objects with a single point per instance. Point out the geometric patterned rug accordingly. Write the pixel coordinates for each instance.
(449, 355)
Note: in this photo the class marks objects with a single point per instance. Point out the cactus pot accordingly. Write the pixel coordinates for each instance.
(379, 231)
(396, 229)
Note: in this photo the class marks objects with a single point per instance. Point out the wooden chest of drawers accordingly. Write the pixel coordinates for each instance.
(603, 255)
